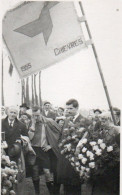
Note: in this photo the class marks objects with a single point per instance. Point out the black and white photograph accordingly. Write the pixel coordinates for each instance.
(61, 97)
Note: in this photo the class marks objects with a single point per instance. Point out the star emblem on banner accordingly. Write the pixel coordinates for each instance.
(41, 25)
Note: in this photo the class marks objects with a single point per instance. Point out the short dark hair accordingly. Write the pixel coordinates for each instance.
(58, 120)
(46, 103)
(73, 102)
(117, 110)
(61, 108)
(97, 110)
(29, 117)
(35, 108)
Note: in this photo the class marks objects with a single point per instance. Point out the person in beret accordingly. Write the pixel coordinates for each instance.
(23, 109)
(26, 119)
(97, 122)
(47, 112)
(117, 115)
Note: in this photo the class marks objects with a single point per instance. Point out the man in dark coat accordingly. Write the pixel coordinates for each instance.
(66, 173)
(13, 128)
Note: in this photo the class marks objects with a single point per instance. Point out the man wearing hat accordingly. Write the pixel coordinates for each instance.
(47, 112)
(23, 109)
(117, 115)
(97, 121)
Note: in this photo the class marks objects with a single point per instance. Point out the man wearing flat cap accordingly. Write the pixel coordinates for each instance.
(23, 109)
(47, 112)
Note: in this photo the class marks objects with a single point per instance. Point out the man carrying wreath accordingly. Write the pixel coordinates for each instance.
(66, 173)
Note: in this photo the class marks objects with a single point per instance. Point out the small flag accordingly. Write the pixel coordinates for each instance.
(10, 69)
(23, 91)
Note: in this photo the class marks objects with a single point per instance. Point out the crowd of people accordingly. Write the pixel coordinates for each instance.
(42, 128)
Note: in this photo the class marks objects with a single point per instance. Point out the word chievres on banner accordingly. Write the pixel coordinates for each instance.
(69, 46)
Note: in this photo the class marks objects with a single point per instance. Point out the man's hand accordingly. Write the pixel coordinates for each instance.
(46, 148)
(18, 141)
(71, 124)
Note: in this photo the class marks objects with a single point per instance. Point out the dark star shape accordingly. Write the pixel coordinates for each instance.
(41, 25)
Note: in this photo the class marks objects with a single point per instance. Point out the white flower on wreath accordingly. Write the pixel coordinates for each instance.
(80, 144)
(77, 169)
(84, 160)
(74, 136)
(80, 156)
(83, 168)
(87, 169)
(92, 165)
(77, 164)
(73, 159)
(95, 147)
(88, 153)
(91, 155)
(84, 141)
(109, 148)
(91, 158)
(84, 149)
(98, 152)
(92, 143)
(81, 173)
(100, 141)
(72, 164)
(69, 147)
(103, 146)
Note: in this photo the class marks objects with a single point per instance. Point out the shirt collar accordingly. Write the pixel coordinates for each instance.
(11, 122)
(46, 112)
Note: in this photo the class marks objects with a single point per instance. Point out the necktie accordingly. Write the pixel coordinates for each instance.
(10, 125)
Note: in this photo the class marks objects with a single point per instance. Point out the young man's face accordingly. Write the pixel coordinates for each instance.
(36, 116)
(47, 107)
(60, 112)
(23, 109)
(97, 115)
(70, 110)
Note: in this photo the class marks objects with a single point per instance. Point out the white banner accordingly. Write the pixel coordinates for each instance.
(39, 34)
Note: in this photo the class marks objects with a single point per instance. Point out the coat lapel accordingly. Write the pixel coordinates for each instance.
(6, 124)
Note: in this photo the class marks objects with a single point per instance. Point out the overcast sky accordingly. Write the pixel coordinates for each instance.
(78, 76)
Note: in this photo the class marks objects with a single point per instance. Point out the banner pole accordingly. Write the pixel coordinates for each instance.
(2, 82)
(40, 100)
(99, 66)
(36, 97)
(21, 92)
(32, 90)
